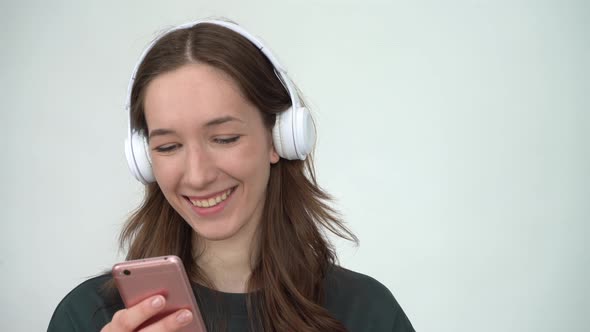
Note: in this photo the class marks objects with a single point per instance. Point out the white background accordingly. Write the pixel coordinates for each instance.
(453, 134)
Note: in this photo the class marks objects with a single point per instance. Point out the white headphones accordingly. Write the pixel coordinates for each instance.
(293, 133)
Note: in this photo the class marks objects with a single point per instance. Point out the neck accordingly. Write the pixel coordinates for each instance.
(228, 263)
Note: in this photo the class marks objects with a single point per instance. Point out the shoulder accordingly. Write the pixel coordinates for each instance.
(362, 303)
(357, 289)
(88, 307)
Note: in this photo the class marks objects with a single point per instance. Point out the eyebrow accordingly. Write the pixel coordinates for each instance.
(159, 132)
(212, 123)
(221, 120)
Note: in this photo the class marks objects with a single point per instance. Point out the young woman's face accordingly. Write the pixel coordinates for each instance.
(210, 151)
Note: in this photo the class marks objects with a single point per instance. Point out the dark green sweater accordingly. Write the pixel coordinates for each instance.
(360, 302)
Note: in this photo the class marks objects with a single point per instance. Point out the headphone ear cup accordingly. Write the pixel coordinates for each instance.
(283, 135)
(294, 134)
(276, 136)
(303, 132)
(138, 158)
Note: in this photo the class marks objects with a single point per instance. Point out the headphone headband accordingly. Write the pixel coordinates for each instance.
(280, 71)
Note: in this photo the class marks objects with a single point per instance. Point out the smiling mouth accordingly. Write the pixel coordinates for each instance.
(212, 201)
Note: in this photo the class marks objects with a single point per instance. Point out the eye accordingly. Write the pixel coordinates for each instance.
(226, 140)
(166, 148)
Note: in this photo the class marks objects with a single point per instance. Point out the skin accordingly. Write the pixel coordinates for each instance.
(205, 137)
(129, 319)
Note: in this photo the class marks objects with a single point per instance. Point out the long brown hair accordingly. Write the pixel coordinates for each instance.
(295, 253)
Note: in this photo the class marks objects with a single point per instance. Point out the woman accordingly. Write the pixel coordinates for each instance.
(220, 137)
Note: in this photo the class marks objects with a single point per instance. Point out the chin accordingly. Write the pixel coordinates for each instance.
(214, 232)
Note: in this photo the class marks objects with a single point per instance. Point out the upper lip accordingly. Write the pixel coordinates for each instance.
(204, 197)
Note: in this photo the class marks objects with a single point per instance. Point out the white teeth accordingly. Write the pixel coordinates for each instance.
(212, 201)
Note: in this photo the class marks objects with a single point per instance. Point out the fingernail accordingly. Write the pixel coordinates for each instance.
(157, 302)
(184, 317)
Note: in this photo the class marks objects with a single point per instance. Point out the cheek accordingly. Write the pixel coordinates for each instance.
(249, 163)
(165, 171)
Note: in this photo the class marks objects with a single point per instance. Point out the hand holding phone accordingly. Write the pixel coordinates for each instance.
(156, 292)
(134, 318)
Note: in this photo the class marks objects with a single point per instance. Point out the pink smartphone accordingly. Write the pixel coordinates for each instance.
(165, 275)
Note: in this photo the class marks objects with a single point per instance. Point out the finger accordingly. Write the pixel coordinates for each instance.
(129, 319)
(172, 322)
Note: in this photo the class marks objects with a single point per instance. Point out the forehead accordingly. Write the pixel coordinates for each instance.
(196, 94)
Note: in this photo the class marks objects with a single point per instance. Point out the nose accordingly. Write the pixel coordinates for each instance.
(200, 168)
